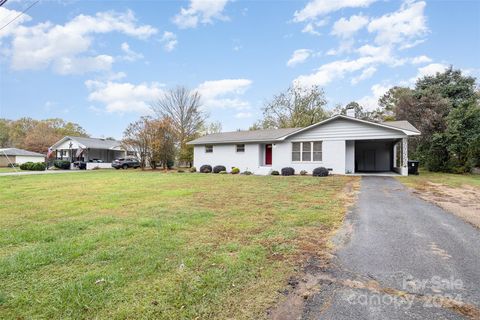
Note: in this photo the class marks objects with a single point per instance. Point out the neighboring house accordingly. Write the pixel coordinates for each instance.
(19, 156)
(341, 144)
(94, 151)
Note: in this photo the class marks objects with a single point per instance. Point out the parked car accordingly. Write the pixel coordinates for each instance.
(126, 163)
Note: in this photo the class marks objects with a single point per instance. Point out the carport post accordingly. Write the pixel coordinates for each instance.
(404, 156)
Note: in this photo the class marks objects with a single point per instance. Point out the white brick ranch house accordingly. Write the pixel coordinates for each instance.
(341, 144)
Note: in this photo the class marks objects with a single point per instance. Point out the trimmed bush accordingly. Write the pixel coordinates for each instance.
(223, 172)
(33, 166)
(62, 164)
(275, 173)
(235, 170)
(303, 172)
(193, 169)
(288, 171)
(206, 168)
(218, 169)
(320, 172)
(247, 173)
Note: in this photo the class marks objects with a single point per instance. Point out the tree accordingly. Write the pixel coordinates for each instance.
(137, 137)
(4, 133)
(163, 140)
(295, 107)
(211, 127)
(182, 107)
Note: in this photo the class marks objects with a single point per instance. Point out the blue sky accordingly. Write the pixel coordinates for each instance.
(100, 63)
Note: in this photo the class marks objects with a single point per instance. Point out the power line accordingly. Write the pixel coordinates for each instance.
(19, 15)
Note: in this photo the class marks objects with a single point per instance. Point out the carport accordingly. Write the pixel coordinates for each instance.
(377, 155)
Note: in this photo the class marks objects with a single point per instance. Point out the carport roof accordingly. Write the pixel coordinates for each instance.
(401, 124)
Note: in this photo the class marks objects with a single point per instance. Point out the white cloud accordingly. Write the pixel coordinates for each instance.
(370, 102)
(346, 28)
(366, 73)
(431, 69)
(400, 26)
(316, 8)
(243, 115)
(224, 93)
(200, 11)
(8, 15)
(312, 27)
(169, 40)
(299, 56)
(421, 59)
(63, 47)
(124, 97)
(130, 55)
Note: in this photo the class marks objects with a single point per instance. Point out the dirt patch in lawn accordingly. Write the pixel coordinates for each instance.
(463, 201)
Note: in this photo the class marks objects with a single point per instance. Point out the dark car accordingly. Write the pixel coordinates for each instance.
(126, 163)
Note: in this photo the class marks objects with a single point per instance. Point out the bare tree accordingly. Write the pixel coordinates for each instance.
(182, 107)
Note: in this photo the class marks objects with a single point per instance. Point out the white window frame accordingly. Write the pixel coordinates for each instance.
(209, 148)
(311, 152)
(242, 148)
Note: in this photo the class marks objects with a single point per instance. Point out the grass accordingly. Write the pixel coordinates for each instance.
(448, 179)
(131, 245)
(3, 170)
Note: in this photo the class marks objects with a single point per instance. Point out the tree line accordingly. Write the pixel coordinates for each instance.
(36, 135)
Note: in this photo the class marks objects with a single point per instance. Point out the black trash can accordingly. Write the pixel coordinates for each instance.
(82, 165)
(413, 167)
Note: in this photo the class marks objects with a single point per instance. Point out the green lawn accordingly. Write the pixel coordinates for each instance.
(448, 179)
(3, 170)
(136, 245)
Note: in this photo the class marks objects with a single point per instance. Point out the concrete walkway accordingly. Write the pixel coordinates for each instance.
(400, 257)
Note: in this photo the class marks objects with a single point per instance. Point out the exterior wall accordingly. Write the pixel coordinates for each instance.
(6, 160)
(349, 156)
(23, 159)
(226, 155)
(333, 157)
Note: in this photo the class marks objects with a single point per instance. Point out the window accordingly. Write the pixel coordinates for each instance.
(64, 153)
(208, 148)
(240, 148)
(317, 151)
(307, 151)
(296, 151)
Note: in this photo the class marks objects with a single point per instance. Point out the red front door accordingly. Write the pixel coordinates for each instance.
(268, 154)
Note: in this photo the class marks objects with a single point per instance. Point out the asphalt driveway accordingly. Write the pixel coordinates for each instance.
(400, 257)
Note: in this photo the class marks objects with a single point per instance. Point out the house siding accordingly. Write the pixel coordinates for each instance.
(344, 129)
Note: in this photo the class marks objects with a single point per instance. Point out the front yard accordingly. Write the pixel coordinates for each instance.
(130, 244)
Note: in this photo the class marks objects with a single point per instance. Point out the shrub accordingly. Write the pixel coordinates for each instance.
(320, 172)
(62, 164)
(223, 172)
(217, 169)
(275, 173)
(247, 173)
(235, 170)
(303, 172)
(13, 165)
(170, 164)
(180, 171)
(206, 168)
(288, 171)
(193, 169)
(33, 166)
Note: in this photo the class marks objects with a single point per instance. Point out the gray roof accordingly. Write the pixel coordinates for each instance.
(278, 134)
(244, 136)
(93, 143)
(401, 124)
(19, 152)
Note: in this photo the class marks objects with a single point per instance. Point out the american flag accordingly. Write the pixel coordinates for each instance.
(50, 151)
